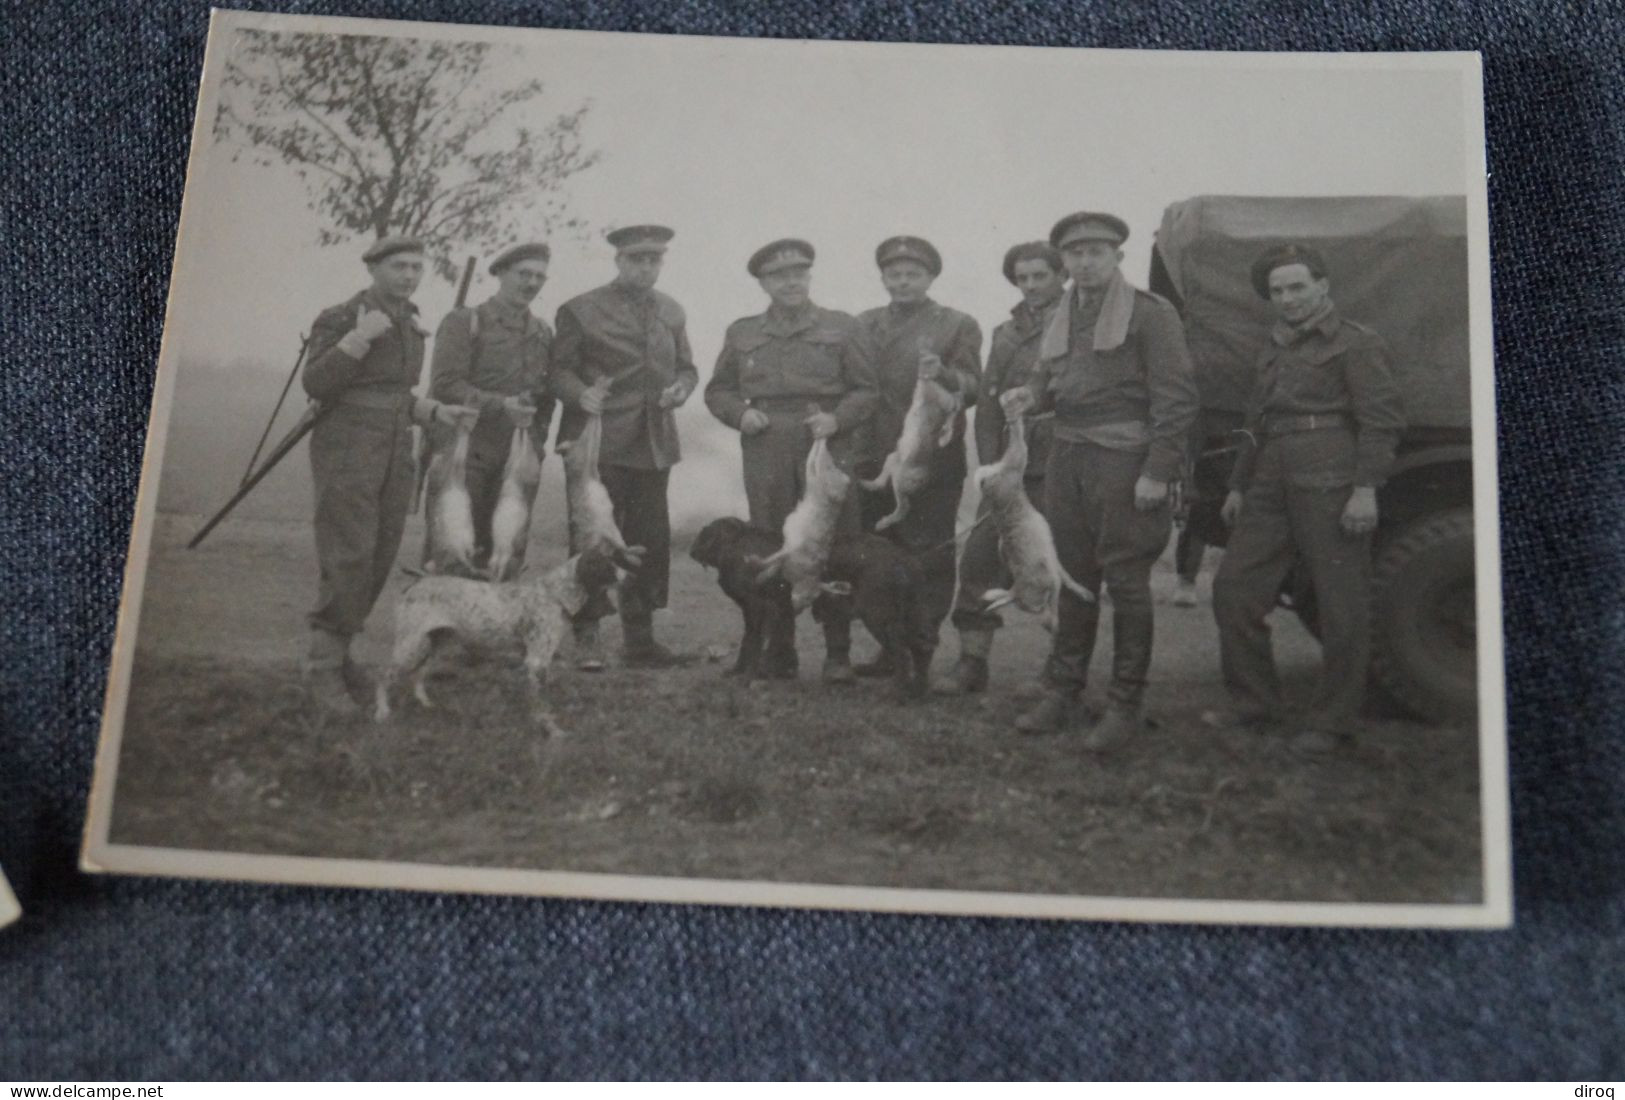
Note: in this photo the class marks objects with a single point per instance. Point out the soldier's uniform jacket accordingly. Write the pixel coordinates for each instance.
(898, 334)
(640, 340)
(382, 379)
(485, 354)
(1012, 356)
(1138, 394)
(1329, 368)
(780, 364)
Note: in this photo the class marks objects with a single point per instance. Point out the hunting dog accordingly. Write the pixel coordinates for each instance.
(880, 580)
(532, 612)
(735, 549)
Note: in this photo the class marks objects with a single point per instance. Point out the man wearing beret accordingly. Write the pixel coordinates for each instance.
(1037, 271)
(784, 378)
(636, 338)
(1323, 422)
(915, 337)
(364, 358)
(1114, 368)
(494, 357)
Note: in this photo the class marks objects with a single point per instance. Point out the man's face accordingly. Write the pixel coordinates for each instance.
(1038, 282)
(1091, 263)
(1296, 294)
(788, 286)
(520, 283)
(907, 281)
(398, 276)
(639, 270)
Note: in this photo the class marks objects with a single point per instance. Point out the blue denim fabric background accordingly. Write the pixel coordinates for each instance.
(121, 978)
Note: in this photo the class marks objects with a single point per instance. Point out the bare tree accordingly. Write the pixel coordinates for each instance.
(400, 135)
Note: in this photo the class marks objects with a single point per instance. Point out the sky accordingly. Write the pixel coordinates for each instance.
(734, 143)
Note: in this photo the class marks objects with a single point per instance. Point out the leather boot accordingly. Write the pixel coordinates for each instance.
(323, 670)
(1051, 715)
(969, 674)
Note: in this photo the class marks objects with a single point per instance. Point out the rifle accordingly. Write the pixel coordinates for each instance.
(425, 447)
(304, 346)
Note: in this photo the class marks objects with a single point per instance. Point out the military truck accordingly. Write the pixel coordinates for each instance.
(1398, 265)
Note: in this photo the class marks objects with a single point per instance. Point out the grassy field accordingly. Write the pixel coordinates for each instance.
(688, 773)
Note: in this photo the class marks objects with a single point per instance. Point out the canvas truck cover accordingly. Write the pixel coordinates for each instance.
(1398, 265)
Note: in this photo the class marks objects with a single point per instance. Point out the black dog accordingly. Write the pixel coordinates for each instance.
(729, 546)
(886, 583)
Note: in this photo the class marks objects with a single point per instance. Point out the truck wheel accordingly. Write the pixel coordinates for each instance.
(1424, 646)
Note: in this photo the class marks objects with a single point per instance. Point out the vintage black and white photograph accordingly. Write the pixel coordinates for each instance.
(952, 479)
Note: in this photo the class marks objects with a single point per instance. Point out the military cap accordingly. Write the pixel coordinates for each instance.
(1284, 255)
(1086, 225)
(918, 249)
(1031, 250)
(520, 253)
(640, 238)
(385, 247)
(780, 255)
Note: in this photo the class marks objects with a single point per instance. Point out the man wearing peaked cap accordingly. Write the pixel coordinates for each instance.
(1114, 368)
(917, 249)
(364, 358)
(1036, 270)
(780, 256)
(494, 357)
(784, 378)
(1087, 225)
(914, 337)
(622, 354)
(633, 239)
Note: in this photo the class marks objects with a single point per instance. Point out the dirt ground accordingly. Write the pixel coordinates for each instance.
(689, 773)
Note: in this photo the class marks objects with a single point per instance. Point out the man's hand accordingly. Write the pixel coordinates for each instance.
(931, 368)
(520, 412)
(1360, 513)
(1016, 401)
(823, 424)
(461, 417)
(371, 323)
(1230, 510)
(674, 395)
(592, 398)
(1149, 493)
(754, 420)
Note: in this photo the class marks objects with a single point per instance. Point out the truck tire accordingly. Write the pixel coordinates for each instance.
(1424, 653)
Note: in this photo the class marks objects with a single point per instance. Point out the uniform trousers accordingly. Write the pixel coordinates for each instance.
(1102, 538)
(362, 471)
(1282, 525)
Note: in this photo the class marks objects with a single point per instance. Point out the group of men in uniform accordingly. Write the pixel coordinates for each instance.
(1098, 368)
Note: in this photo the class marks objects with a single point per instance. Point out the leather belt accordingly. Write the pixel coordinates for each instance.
(1306, 422)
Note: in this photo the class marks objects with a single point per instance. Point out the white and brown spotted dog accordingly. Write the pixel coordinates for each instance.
(533, 612)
